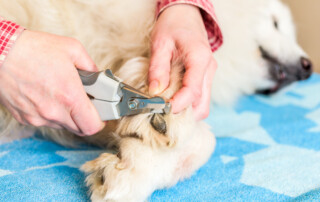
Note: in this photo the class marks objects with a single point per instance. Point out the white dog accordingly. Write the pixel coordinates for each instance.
(260, 53)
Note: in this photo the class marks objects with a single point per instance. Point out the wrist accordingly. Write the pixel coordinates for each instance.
(179, 10)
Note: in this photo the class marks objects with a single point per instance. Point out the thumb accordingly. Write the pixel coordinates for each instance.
(159, 71)
(84, 62)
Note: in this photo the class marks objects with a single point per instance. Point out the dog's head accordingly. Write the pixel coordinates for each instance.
(278, 47)
(260, 51)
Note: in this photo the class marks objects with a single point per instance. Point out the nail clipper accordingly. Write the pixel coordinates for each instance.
(114, 99)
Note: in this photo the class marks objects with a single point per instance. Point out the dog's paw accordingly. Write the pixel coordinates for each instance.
(110, 179)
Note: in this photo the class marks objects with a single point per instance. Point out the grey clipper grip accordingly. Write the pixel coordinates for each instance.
(104, 91)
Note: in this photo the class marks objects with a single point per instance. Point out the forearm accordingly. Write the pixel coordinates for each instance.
(209, 18)
(9, 32)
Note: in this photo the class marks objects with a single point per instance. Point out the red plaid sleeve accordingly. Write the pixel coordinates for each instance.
(208, 14)
(9, 33)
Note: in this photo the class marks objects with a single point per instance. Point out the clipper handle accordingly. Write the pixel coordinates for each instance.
(103, 92)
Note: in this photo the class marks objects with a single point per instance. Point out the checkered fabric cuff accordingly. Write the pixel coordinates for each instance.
(209, 18)
(9, 32)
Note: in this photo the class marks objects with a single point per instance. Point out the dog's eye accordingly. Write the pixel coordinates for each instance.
(275, 23)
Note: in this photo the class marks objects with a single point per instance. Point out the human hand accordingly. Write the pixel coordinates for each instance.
(40, 85)
(180, 27)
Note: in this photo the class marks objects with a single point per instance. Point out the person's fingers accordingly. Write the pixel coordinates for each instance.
(160, 64)
(35, 119)
(57, 117)
(85, 116)
(202, 110)
(69, 124)
(196, 61)
(38, 121)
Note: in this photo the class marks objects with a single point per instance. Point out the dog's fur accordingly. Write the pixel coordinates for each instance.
(116, 34)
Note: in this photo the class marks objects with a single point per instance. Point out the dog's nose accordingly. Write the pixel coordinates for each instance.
(306, 64)
(306, 68)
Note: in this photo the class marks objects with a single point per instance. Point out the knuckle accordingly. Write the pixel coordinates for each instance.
(20, 103)
(157, 70)
(164, 43)
(196, 92)
(75, 47)
(49, 113)
(154, 68)
(68, 97)
(34, 121)
(68, 100)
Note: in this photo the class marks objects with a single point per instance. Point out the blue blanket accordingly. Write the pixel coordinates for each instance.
(268, 149)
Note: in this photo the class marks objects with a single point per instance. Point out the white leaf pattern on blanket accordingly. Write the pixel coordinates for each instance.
(315, 117)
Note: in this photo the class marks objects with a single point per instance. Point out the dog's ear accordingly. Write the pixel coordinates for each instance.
(135, 73)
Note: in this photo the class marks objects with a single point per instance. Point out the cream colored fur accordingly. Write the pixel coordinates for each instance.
(116, 35)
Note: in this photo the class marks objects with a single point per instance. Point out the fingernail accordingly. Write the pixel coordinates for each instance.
(103, 124)
(154, 87)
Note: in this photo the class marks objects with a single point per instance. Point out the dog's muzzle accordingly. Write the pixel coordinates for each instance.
(285, 74)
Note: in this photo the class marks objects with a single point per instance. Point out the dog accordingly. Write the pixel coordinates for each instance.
(260, 54)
